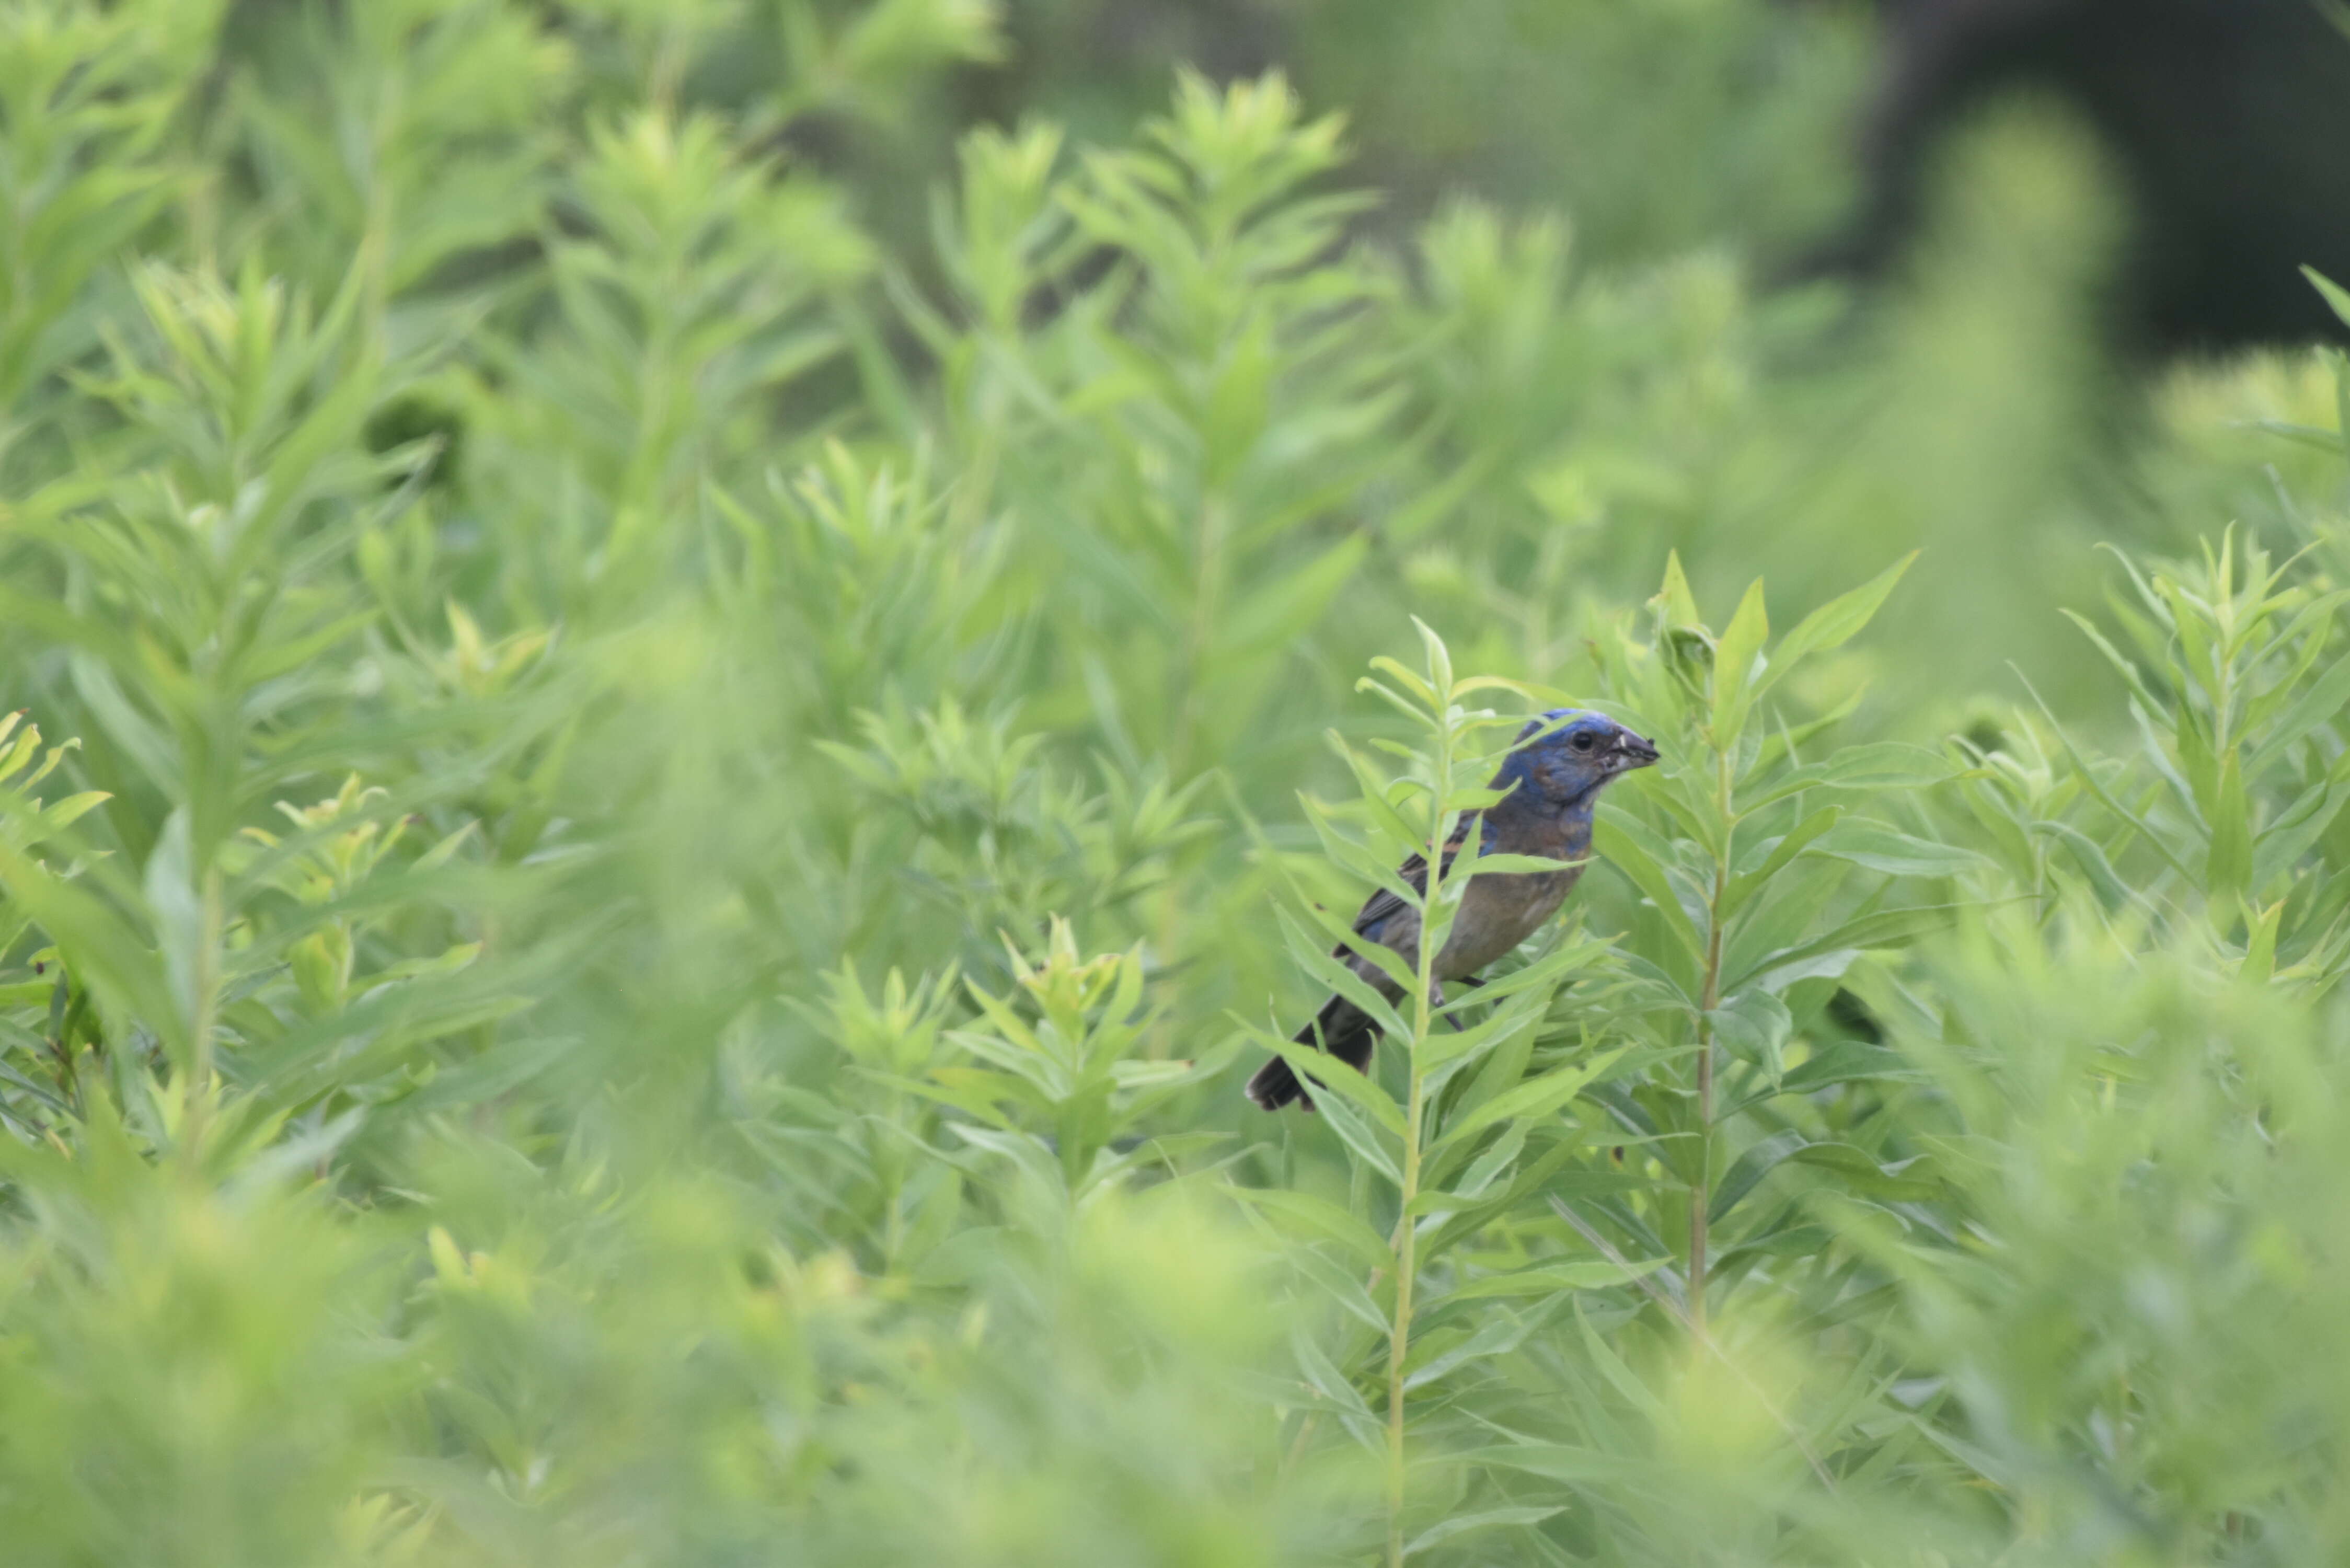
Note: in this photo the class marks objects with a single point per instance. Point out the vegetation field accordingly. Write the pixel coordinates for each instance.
(691, 683)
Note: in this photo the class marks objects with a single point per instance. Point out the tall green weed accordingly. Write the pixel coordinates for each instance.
(649, 837)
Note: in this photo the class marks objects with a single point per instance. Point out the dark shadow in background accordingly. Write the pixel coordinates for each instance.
(2228, 123)
(1657, 129)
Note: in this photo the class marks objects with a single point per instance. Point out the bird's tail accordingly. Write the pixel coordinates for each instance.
(1342, 1029)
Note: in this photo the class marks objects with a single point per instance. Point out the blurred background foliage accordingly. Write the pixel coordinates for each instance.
(674, 668)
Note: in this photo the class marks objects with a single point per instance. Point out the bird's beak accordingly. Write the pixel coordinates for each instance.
(1630, 752)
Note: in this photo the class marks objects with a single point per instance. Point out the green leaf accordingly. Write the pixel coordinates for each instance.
(2336, 299)
(1487, 1519)
(1744, 886)
(1449, 1045)
(1341, 978)
(2259, 965)
(1374, 793)
(1881, 848)
(1734, 672)
(2228, 865)
(64, 813)
(1502, 1069)
(1844, 1061)
(1785, 739)
(2311, 436)
(1883, 765)
(1834, 624)
(1613, 840)
(2280, 846)
(1547, 971)
(1561, 1462)
(1514, 866)
(2325, 699)
(1439, 661)
(1340, 1287)
(1748, 1170)
(1885, 929)
(1619, 1374)
(1326, 1380)
(1498, 1334)
(1536, 1097)
(1358, 1134)
(1548, 1279)
(1486, 1168)
(1754, 1026)
(1376, 866)
(2126, 667)
(1337, 1078)
(1322, 1218)
(1680, 606)
(1860, 1171)
(1460, 1221)
(2092, 861)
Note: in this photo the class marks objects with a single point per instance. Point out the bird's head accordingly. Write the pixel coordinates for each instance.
(1562, 757)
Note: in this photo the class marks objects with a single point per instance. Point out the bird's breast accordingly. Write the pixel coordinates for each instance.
(1498, 912)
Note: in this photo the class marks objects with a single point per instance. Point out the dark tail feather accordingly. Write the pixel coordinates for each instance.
(1342, 1029)
(1275, 1085)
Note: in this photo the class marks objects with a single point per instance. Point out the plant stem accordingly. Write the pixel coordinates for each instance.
(891, 1161)
(1406, 1240)
(196, 1100)
(1702, 1181)
(1656, 1292)
(1207, 605)
(1400, 1337)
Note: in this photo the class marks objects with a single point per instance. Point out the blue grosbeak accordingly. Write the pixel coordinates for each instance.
(1552, 775)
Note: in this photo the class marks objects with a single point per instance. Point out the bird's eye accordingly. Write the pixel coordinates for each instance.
(1585, 742)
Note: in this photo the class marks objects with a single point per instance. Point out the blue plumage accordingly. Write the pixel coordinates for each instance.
(1552, 776)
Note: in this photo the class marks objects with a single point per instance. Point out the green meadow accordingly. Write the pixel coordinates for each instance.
(692, 682)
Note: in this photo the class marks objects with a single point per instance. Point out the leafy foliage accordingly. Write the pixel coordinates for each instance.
(649, 828)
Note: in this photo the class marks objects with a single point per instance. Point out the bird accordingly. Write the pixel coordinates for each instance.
(1551, 778)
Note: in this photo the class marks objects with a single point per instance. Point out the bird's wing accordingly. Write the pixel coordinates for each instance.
(1384, 902)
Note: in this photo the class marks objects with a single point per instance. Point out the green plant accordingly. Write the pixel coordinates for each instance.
(1744, 856)
(1444, 1159)
(685, 803)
